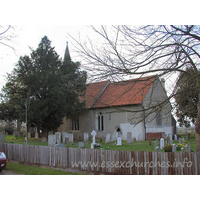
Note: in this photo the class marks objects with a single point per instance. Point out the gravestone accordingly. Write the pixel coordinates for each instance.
(36, 135)
(186, 136)
(59, 145)
(175, 137)
(119, 141)
(79, 139)
(64, 136)
(155, 144)
(93, 138)
(2, 137)
(86, 138)
(189, 147)
(25, 141)
(157, 149)
(58, 137)
(81, 145)
(43, 139)
(107, 138)
(162, 143)
(71, 138)
(140, 137)
(134, 139)
(114, 137)
(174, 148)
(129, 138)
(51, 140)
(180, 140)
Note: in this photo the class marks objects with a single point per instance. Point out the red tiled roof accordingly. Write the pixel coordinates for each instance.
(93, 91)
(106, 94)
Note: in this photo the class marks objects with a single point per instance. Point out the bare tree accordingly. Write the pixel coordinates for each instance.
(6, 35)
(141, 50)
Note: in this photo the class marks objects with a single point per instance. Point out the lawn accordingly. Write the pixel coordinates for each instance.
(135, 146)
(30, 170)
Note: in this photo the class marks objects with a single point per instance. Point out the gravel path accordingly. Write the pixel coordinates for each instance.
(8, 172)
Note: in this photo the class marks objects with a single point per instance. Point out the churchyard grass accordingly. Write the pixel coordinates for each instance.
(32, 170)
(135, 146)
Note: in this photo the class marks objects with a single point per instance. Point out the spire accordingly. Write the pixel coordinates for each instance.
(67, 55)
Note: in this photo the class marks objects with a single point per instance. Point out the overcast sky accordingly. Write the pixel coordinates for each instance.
(30, 36)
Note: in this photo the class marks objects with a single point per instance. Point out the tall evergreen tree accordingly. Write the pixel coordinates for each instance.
(49, 86)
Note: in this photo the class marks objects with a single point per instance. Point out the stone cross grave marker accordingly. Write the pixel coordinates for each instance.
(93, 138)
(119, 141)
(129, 137)
(107, 138)
(162, 143)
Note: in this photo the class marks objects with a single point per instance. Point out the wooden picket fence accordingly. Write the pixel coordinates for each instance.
(106, 161)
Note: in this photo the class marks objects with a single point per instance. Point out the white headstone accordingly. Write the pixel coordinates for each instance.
(71, 138)
(175, 137)
(162, 142)
(114, 137)
(140, 137)
(119, 141)
(86, 137)
(129, 138)
(155, 144)
(51, 140)
(107, 138)
(173, 147)
(64, 136)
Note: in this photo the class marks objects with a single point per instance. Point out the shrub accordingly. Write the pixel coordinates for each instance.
(168, 148)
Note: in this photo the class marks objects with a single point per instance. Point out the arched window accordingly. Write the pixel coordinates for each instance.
(100, 122)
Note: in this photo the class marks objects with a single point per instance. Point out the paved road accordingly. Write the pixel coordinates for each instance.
(8, 172)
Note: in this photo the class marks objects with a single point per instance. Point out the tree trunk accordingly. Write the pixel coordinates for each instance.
(197, 127)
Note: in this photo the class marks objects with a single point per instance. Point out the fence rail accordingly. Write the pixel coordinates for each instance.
(107, 161)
